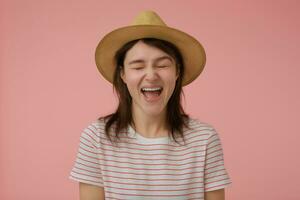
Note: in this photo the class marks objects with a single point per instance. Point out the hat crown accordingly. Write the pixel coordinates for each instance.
(148, 18)
(148, 24)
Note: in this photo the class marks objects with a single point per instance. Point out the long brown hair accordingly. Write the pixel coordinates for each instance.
(176, 118)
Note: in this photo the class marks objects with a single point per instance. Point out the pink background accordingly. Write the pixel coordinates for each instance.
(50, 89)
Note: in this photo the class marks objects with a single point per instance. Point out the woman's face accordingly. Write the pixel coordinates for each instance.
(150, 75)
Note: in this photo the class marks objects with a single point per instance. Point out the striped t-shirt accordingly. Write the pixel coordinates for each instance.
(151, 168)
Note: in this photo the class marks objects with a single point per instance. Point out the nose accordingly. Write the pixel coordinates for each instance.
(151, 73)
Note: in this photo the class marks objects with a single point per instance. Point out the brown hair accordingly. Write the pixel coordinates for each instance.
(122, 117)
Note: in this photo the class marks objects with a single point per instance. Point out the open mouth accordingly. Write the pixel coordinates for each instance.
(151, 93)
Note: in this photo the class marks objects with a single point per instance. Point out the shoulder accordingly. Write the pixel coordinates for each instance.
(96, 126)
(200, 128)
(197, 124)
(93, 130)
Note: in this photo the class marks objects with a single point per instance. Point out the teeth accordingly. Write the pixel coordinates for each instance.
(151, 89)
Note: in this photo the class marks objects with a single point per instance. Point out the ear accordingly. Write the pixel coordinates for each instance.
(177, 73)
(122, 75)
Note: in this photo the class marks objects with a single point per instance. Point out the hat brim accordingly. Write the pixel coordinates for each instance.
(193, 53)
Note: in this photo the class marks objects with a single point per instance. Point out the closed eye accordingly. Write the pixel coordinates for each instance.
(138, 68)
(162, 66)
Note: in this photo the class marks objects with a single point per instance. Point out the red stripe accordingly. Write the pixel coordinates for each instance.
(154, 190)
(133, 153)
(102, 139)
(87, 143)
(126, 157)
(117, 166)
(138, 174)
(97, 158)
(149, 179)
(77, 178)
(157, 149)
(216, 161)
(91, 137)
(212, 177)
(216, 150)
(216, 181)
(220, 156)
(162, 159)
(189, 183)
(215, 140)
(152, 164)
(99, 173)
(167, 195)
(76, 162)
(218, 186)
(223, 169)
(97, 177)
(206, 169)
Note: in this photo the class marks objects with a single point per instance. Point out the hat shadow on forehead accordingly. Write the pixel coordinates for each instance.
(148, 24)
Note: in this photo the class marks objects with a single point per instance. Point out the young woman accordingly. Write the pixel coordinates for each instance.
(149, 148)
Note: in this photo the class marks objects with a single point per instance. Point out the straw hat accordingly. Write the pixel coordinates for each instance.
(149, 25)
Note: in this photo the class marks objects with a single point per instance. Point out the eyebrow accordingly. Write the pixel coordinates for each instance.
(157, 59)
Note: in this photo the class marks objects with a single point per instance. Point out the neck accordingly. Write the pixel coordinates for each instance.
(150, 126)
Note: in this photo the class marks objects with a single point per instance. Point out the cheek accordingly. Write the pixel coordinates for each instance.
(169, 77)
(132, 81)
(170, 81)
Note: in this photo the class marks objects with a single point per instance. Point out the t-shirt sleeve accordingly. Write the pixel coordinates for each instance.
(86, 167)
(215, 174)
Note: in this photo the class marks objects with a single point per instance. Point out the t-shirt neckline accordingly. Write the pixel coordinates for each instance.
(145, 140)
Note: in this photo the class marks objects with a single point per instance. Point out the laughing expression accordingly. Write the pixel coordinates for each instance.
(150, 75)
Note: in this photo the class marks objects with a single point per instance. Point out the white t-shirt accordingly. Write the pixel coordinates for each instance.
(151, 168)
